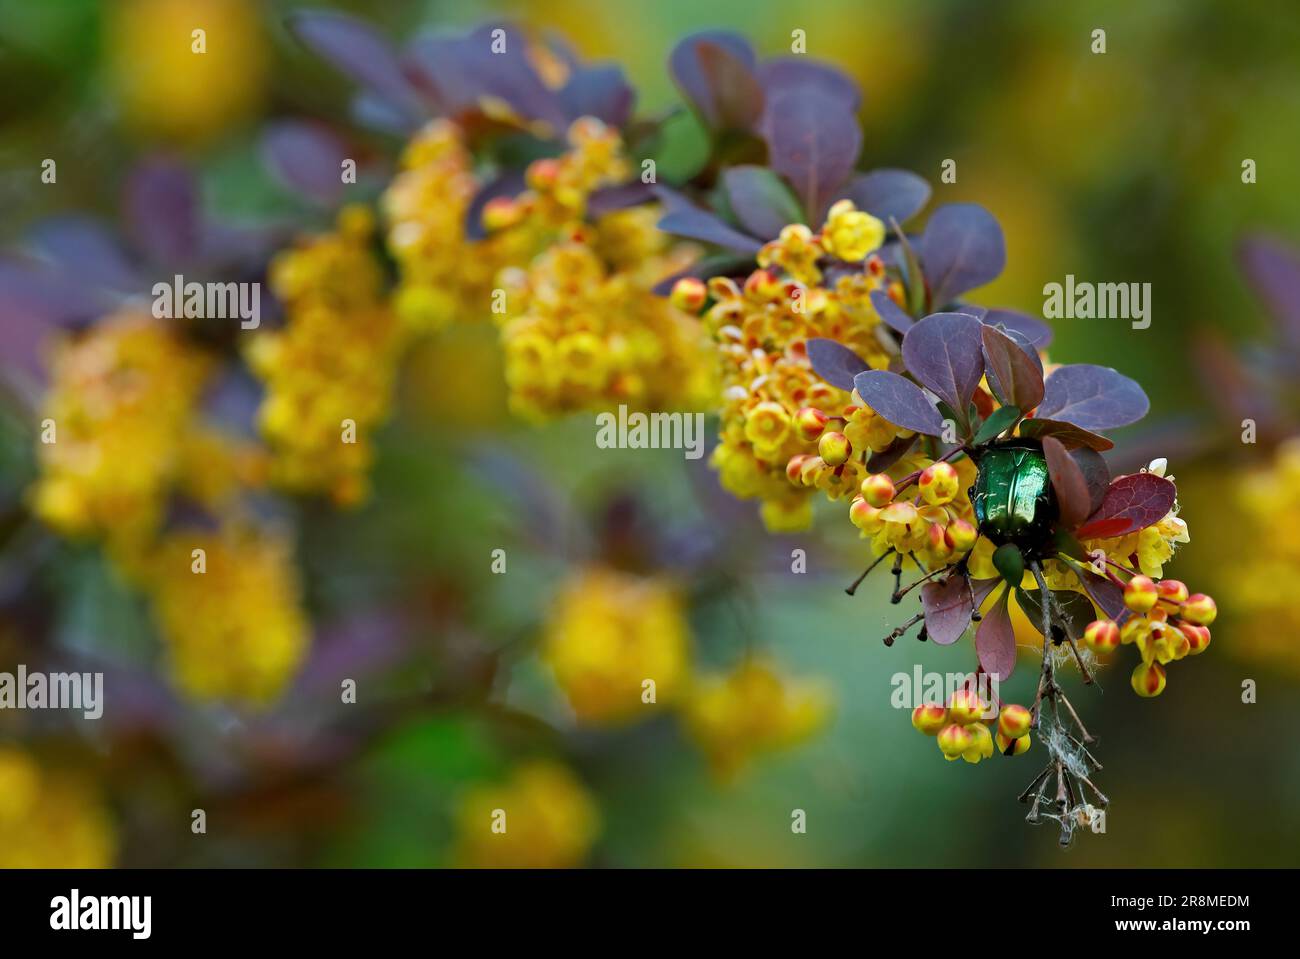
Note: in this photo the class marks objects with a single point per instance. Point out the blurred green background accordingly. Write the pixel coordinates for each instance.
(1122, 166)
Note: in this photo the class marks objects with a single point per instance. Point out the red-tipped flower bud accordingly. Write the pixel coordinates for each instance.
(1172, 590)
(689, 294)
(1198, 609)
(1014, 721)
(965, 706)
(878, 490)
(929, 719)
(835, 448)
(809, 422)
(962, 535)
(1140, 594)
(1148, 679)
(938, 483)
(1102, 635)
(1011, 747)
(954, 740)
(1198, 637)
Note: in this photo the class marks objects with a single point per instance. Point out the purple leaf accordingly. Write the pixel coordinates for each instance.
(891, 454)
(943, 352)
(760, 201)
(812, 141)
(980, 589)
(995, 641)
(948, 606)
(961, 249)
(1093, 397)
(899, 400)
(836, 364)
(888, 194)
(1131, 503)
(161, 206)
(970, 309)
(1073, 437)
(86, 250)
(1108, 597)
(458, 72)
(1095, 473)
(611, 198)
(356, 49)
(1015, 377)
(1034, 331)
(598, 91)
(1071, 488)
(510, 183)
(894, 316)
(1274, 271)
(714, 70)
(789, 72)
(306, 157)
(683, 218)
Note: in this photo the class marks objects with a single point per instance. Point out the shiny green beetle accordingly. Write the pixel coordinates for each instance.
(1013, 497)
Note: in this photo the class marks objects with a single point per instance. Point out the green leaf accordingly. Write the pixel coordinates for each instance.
(998, 421)
(915, 278)
(681, 148)
(1010, 562)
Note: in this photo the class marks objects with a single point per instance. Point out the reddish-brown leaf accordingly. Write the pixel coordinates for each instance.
(995, 640)
(1067, 479)
(1131, 503)
(947, 605)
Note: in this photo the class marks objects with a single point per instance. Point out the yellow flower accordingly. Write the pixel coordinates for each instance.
(543, 817)
(331, 371)
(169, 88)
(760, 333)
(50, 820)
(120, 405)
(851, 234)
(609, 633)
(752, 710)
(235, 631)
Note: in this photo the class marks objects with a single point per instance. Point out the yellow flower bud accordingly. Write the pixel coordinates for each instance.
(878, 490)
(1102, 636)
(954, 740)
(1199, 609)
(835, 448)
(1140, 594)
(1014, 721)
(929, 719)
(938, 484)
(1148, 679)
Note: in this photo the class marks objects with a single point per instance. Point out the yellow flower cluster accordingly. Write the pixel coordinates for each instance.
(330, 371)
(582, 334)
(443, 275)
(543, 817)
(612, 631)
(231, 615)
(580, 326)
(769, 450)
(1269, 503)
(165, 85)
(934, 526)
(116, 424)
(752, 710)
(609, 633)
(122, 434)
(49, 820)
(961, 729)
